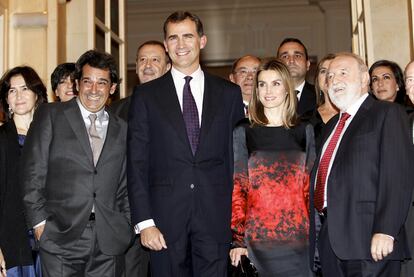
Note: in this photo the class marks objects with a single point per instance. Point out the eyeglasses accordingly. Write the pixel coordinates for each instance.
(244, 72)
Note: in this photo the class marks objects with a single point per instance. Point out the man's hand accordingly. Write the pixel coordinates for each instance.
(235, 255)
(38, 231)
(381, 246)
(152, 238)
(2, 265)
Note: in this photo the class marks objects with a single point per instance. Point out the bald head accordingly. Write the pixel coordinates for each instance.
(348, 80)
(243, 73)
(409, 80)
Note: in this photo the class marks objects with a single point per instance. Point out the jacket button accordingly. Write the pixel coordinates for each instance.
(192, 186)
(95, 172)
(94, 195)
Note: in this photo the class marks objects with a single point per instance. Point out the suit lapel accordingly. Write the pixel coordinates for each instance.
(112, 134)
(211, 100)
(168, 101)
(73, 115)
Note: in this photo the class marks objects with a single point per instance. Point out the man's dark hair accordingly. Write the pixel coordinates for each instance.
(97, 59)
(157, 43)
(62, 71)
(180, 16)
(286, 40)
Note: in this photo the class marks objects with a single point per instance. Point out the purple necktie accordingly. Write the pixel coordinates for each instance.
(190, 114)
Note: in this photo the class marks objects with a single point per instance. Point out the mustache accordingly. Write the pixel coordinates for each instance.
(149, 71)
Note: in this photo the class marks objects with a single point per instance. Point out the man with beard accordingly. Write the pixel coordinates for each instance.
(243, 73)
(152, 62)
(295, 55)
(362, 180)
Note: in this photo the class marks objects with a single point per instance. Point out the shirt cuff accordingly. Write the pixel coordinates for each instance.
(39, 224)
(143, 225)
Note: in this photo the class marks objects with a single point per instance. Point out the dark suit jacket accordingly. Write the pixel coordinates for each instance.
(370, 183)
(121, 107)
(307, 100)
(162, 168)
(14, 240)
(61, 183)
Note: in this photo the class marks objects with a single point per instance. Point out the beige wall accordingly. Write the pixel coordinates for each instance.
(234, 29)
(384, 30)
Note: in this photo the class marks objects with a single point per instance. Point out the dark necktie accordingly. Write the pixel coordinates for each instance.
(246, 110)
(190, 114)
(96, 140)
(324, 163)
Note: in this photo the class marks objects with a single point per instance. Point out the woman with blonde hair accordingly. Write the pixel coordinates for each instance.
(273, 155)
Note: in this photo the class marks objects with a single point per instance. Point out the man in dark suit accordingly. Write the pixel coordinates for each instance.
(74, 177)
(407, 269)
(180, 159)
(295, 55)
(362, 180)
(152, 62)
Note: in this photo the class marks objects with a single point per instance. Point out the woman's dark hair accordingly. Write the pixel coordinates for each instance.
(62, 71)
(32, 80)
(399, 78)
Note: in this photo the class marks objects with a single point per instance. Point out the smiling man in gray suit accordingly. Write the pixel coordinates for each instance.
(74, 180)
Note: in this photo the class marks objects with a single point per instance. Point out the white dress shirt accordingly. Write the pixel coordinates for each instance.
(300, 88)
(197, 89)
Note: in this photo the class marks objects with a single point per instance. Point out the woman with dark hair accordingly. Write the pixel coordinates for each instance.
(62, 81)
(21, 91)
(387, 81)
(272, 159)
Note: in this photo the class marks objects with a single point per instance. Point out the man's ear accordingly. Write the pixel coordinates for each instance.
(113, 88)
(77, 84)
(203, 41)
(307, 65)
(231, 77)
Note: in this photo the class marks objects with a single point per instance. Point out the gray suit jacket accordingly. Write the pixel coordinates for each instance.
(61, 184)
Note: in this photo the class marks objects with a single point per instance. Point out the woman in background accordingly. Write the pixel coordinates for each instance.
(325, 109)
(387, 81)
(272, 160)
(21, 91)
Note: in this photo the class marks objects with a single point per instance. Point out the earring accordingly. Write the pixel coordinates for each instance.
(10, 113)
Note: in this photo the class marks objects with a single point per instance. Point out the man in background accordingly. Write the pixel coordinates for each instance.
(243, 73)
(295, 55)
(152, 62)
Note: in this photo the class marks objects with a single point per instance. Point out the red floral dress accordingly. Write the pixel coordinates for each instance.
(270, 198)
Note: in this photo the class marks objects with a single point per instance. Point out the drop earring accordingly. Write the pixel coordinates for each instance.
(10, 113)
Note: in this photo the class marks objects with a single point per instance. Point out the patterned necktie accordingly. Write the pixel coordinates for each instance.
(96, 140)
(324, 163)
(190, 114)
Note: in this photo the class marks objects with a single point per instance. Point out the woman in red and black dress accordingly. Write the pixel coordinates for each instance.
(273, 156)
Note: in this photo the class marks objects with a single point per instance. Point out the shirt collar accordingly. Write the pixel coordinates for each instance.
(300, 87)
(85, 113)
(179, 75)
